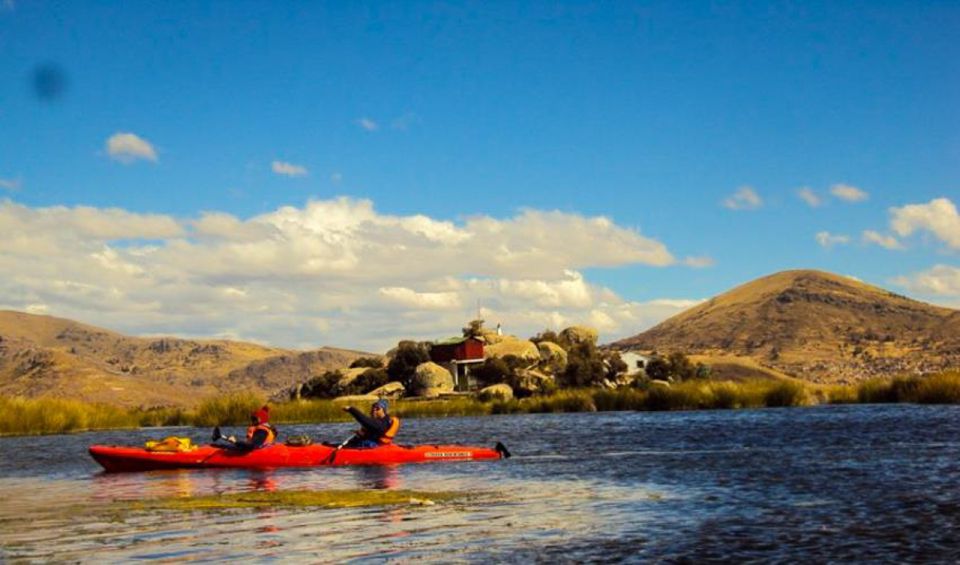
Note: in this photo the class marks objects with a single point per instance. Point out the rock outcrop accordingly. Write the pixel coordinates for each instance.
(431, 380)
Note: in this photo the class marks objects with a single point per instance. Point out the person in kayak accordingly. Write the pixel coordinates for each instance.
(379, 428)
(261, 432)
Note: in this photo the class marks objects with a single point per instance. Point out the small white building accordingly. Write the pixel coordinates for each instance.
(635, 361)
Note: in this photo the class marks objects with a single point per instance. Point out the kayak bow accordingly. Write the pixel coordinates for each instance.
(123, 459)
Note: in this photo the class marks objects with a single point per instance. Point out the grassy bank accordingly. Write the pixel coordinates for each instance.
(50, 416)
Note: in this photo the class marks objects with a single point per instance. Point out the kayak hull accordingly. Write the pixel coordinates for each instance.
(116, 459)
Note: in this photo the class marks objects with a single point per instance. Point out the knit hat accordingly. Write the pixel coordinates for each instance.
(262, 416)
(382, 403)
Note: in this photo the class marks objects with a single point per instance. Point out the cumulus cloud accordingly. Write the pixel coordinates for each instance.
(10, 184)
(699, 262)
(941, 280)
(848, 193)
(129, 147)
(288, 169)
(810, 197)
(745, 198)
(827, 239)
(877, 238)
(332, 272)
(938, 217)
(368, 124)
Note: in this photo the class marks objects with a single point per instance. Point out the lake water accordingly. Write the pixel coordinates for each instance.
(833, 483)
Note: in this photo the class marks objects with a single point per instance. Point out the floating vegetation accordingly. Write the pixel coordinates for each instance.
(295, 499)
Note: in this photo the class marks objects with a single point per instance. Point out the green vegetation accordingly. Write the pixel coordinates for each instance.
(20, 416)
(294, 499)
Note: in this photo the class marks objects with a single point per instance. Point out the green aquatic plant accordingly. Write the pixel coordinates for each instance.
(294, 499)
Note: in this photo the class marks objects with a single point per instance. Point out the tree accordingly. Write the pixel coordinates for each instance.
(658, 369)
(473, 329)
(584, 366)
(409, 355)
(615, 365)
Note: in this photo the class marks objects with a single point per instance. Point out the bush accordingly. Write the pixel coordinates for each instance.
(409, 355)
(371, 362)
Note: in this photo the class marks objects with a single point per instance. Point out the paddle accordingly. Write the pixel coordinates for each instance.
(333, 454)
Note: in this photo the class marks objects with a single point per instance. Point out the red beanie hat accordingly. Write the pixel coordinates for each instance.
(262, 415)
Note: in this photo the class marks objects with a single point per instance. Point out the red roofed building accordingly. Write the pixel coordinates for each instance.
(458, 354)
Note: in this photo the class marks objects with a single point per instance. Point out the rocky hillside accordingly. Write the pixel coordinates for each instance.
(47, 356)
(814, 325)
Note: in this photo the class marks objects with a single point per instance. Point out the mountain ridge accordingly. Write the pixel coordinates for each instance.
(813, 325)
(57, 357)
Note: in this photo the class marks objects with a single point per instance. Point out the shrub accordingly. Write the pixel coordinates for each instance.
(371, 362)
(404, 364)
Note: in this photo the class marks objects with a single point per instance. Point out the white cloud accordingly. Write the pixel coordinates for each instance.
(827, 239)
(810, 197)
(886, 241)
(848, 193)
(128, 147)
(745, 198)
(430, 300)
(10, 184)
(939, 217)
(334, 272)
(288, 169)
(405, 121)
(368, 124)
(941, 280)
(699, 262)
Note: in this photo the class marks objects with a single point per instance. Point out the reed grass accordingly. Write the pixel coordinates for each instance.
(227, 410)
(22, 416)
(19, 416)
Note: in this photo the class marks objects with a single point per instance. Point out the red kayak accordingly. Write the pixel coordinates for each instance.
(119, 459)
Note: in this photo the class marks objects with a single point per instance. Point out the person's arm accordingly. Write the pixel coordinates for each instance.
(375, 428)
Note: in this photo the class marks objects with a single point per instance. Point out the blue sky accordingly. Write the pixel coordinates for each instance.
(380, 170)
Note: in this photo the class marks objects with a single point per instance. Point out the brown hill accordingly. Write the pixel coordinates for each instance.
(47, 356)
(814, 325)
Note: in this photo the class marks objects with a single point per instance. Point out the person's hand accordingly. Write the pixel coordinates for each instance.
(346, 408)
(232, 439)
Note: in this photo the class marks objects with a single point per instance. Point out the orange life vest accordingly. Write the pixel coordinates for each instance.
(387, 437)
(271, 433)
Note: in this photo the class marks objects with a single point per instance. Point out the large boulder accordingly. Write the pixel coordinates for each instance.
(390, 390)
(553, 358)
(431, 380)
(530, 382)
(501, 391)
(491, 336)
(510, 345)
(579, 334)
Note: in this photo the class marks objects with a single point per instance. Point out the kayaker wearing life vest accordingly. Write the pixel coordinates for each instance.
(379, 428)
(261, 432)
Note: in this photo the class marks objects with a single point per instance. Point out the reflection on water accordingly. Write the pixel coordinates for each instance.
(875, 483)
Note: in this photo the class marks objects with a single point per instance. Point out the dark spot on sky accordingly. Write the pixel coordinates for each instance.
(48, 81)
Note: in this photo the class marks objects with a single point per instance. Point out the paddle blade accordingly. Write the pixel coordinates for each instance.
(216, 433)
(502, 449)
